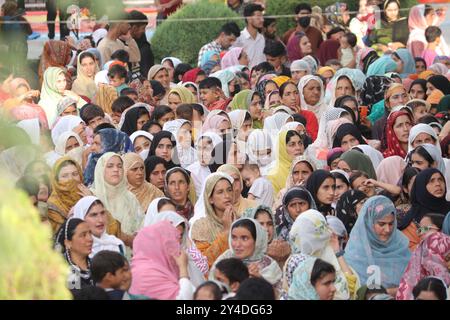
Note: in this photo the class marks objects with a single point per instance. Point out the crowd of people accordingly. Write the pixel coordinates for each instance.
(312, 165)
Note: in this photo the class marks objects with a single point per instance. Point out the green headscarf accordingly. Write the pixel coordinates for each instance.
(444, 104)
(242, 101)
(49, 93)
(359, 161)
(185, 95)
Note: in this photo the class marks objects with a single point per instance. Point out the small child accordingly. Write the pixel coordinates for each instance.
(433, 37)
(346, 52)
(111, 271)
(231, 272)
(211, 94)
(119, 106)
(117, 75)
(419, 107)
(261, 188)
(208, 290)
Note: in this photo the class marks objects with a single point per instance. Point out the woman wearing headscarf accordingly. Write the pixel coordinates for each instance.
(249, 100)
(255, 255)
(356, 160)
(310, 235)
(234, 57)
(390, 170)
(438, 82)
(181, 131)
(210, 231)
(340, 85)
(87, 68)
(216, 123)
(298, 46)
(365, 57)
(428, 260)
(375, 240)
(158, 271)
(259, 150)
(422, 133)
(135, 172)
(312, 95)
(91, 210)
(398, 127)
(420, 17)
(288, 148)
(110, 186)
(404, 59)
(348, 136)
(180, 95)
(322, 184)
(295, 201)
(133, 119)
(328, 50)
(52, 91)
(348, 207)
(177, 185)
(381, 66)
(164, 145)
(55, 54)
(67, 189)
(106, 140)
(226, 77)
(418, 89)
(427, 195)
(68, 143)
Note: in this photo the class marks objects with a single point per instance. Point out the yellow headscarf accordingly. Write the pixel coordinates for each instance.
(426, 74)
(322, 70)
(280, 80)
(279, 174)
(185, 95)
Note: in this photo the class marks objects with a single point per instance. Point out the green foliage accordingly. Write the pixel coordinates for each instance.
(183, 39)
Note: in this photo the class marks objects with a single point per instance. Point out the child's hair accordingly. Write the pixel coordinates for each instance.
(198, 107)
(160, 111)
(212, 286)
(333, 62)
(250, 166)
(91, 111)
(275, 49)
(117, 70)
(234, 269)
(165, 201)
(28, 184)
(351, 39)
(432, 33)
(127, 91)
(105, 262)
(90, 293)
(180, 70)
(334, 31)
(104, 125)
(357, 174)
(436, 219)
(431, 284)
(185, 111)
(210, 83)
(255, 289)
(242, 75)
(121, 104)
(121, 55)
(321, 269)
(416, 103)
(408, 174)
(149, 124)
(264, 67)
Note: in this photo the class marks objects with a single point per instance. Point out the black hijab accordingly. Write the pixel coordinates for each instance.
(345, 129)
(340, 103)
(423, 202)
(346, 207)
(313, 184)
(219, 154)
(129, 125)
(373, 89)
(174, 162)
(441, 83)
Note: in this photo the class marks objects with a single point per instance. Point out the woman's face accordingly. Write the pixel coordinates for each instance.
(82, 241)
(164, 149)
(326, 191)
(142, 120)
(114, 171)
(342, 165)
(312, 92)
(164, 78)
(224, 127)
(348, 141)
(296, 207)
(420, 67)
(204, 149)
(430, 17)
(184, 135)
(344, 88)
(301, 173)
(398, 98)
(157, 176)
(305, 46)
(436, 185)
(88, 67)
(402, 126)
(242, 243)
(352, 105)
(169, 66)
(295, 147)
(141, 143)
(178, 188)
(70, 111)
(69, 173)
(245, 130)
(325, 287)
(426, 228)
(244, 60)
(430, 88)
(417, 92)
(167, 117)
(421, 139)
(97, 219)
(97, 144)
(245, 85)
(174, 101)
(341, 187)
(270, 86)
(136, 175)
(61, 83)
(290, 97)
(255, 107)
(43, 193)
(237, 187)
(71, 143)
(222, 195)
(392, 11)
(298, 74)
(384, 227)
(265, 220)
(360, 184)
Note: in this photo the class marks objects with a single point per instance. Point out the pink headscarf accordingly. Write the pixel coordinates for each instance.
(155, 273)
(211, 124)
(416, 18)
(231, 58)
(427, 260)
(391, 169)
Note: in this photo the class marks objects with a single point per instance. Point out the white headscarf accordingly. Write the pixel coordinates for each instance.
(140, 133)
(32, 129)
(375, 156)
(64, 124)
(186, 154)
(106, 241)
(320, 107)
(60, 149)
(422, 128)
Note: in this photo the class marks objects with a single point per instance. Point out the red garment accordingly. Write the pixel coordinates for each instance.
(171, 9)
(191, 75)
(393, 145)
(312, 125)
(219, 105)
(328, 50)
(294, 51)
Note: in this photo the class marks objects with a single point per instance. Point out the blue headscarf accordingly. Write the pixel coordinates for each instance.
(365, 249)
(113, 140)
(207, 56)
(409, 64)
(225, 77)
(301, 287)
(381, 66)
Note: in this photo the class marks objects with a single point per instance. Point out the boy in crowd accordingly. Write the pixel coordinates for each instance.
(276, 55)
(231, 272)
(261, 189)
(211, 94)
